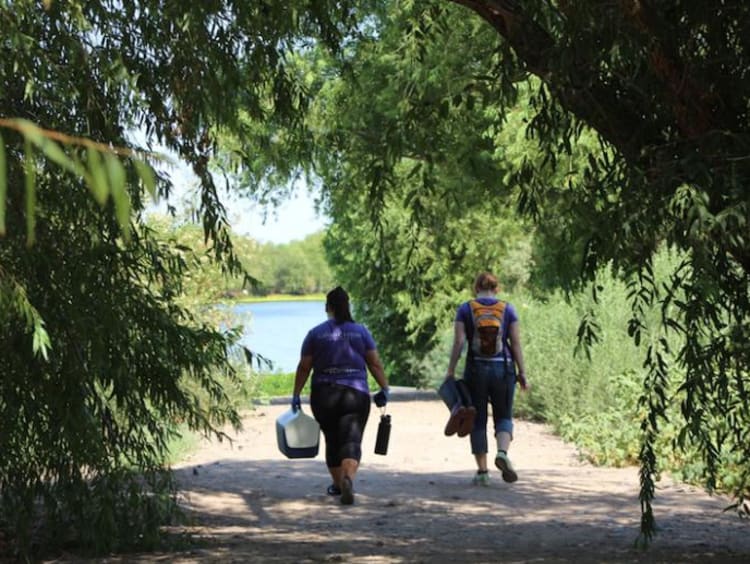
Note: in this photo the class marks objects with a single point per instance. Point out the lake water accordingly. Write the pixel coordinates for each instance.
(276, 330)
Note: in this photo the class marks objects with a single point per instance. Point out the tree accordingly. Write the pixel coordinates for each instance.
(406, 244)
(100, 362)
(664, 87)
(444, 208)
(298, 267)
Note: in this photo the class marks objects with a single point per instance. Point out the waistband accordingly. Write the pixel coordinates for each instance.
(334, 371)
(358, 384)
(504, 359)
(341, 378)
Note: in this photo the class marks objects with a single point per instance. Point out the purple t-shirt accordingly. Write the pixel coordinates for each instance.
(338, 352)
(463, 314)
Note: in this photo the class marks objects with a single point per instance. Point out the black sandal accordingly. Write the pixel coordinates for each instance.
(333, 489)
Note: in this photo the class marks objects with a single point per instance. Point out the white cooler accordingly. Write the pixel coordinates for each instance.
(297, 434)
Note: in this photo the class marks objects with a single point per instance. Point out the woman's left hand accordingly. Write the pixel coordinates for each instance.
(382, 397)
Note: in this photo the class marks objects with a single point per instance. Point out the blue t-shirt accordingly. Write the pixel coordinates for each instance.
(463, 314)
(338, 352)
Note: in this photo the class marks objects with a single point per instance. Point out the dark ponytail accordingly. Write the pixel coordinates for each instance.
(337, 301)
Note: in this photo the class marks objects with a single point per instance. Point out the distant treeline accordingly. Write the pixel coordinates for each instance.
(297, 267)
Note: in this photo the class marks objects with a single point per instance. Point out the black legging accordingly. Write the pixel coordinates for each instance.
(342, 413)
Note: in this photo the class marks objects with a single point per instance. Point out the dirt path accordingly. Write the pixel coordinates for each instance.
(417, 504)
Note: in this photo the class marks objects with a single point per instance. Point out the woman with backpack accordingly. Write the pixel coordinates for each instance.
(339, 352)
(494, 363)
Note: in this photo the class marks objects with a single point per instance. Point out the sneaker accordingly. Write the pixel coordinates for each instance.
(454, 421)
(467, 422)
(347, 491)
(503, 464)
(481, 479)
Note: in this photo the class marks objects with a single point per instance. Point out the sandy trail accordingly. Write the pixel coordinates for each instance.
(417, 504)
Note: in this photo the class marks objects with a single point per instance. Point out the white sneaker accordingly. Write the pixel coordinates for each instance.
(481, 479)
(503, 464)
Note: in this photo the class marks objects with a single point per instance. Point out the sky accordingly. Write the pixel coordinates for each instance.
(293, 220)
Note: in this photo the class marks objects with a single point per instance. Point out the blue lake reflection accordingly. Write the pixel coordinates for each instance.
(276, 329)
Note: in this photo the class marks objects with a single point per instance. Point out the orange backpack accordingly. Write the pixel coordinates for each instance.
(487, 340)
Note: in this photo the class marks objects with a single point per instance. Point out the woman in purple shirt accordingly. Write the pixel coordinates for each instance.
(339, 352)
(494, 363)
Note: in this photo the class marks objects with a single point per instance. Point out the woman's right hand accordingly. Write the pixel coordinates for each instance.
(296, 403)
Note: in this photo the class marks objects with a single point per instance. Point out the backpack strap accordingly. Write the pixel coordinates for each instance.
(478, 308)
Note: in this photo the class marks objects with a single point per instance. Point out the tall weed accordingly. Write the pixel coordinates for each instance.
(592, 400)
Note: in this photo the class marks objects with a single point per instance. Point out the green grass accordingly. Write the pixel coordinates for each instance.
(268, 386)
(182, 445)
(276, 385)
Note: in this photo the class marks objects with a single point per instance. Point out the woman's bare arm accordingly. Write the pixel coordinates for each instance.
(517, 351)
(459, 338)
(303, 372)
(376, 367)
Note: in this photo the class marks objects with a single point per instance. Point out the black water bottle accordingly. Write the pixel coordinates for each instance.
(384, 433)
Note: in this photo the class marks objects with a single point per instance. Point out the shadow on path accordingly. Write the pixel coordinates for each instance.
(259, 509)
(417, 504)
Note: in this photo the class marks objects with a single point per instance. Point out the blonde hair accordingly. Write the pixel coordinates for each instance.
(485, 282)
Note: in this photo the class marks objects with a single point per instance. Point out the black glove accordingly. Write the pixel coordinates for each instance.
(381, 398)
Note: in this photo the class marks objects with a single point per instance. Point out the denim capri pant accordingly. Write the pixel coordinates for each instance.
(490, 382)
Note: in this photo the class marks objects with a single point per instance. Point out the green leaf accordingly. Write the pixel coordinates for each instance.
(30, 131)
(116, 174)
(54, 153)
(30, 180)
(146, 174)
(97, 177)
(28, 90)
(3, 185)
(40, 341)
